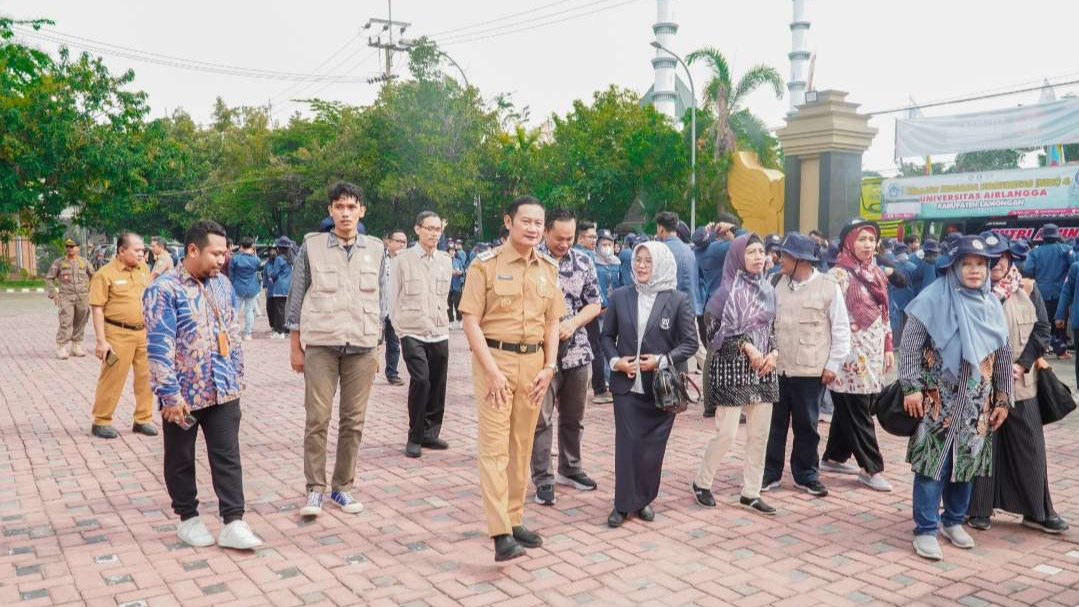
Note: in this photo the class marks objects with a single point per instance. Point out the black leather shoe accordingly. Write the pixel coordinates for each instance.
(1051, 525)
(435, 443)
(981, 523)
(147, 429)
(704, 497)
(507, 548)
(104, 431)
(526, 538)
(757, 505)
(395, 381)
(647, 514)
(616, 519)
(413, 450)
(709, 412)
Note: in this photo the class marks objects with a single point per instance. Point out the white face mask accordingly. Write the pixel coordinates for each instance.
(607, 250)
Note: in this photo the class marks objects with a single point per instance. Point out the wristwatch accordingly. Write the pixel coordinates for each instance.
(552, 367)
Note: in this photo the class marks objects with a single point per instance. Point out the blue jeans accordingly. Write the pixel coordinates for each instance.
(928, 493)
(393, 350)
(246, 307)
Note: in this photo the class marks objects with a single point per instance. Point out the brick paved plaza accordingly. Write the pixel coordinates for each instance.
(87, 521)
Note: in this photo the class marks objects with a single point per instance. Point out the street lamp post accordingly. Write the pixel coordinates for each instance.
(692, 140)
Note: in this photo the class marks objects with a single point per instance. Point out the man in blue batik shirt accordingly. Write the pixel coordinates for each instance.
(196, 372)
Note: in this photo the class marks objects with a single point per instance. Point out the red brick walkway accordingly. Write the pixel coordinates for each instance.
(87, 521)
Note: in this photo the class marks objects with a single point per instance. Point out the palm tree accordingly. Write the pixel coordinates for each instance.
(724, 99)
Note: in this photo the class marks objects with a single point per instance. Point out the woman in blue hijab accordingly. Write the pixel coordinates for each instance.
(955, 368)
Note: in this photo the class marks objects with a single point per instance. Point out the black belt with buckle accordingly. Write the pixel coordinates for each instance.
(515, 348)
(124, 325)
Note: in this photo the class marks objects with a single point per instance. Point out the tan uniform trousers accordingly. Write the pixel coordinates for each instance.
(324, 367)
(130, 349)
(505, 439)
(74, 312)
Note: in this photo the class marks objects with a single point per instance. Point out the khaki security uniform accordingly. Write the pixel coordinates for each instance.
(515, 299)
(119, 291)
(68, 281)
(804, 328)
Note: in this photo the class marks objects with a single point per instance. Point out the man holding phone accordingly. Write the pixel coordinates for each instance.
(116, 307)
(197, 369)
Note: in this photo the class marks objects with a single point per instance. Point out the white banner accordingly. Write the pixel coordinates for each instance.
(1028, 126)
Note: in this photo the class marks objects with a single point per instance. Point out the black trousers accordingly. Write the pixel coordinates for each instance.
(454, 302)
(853, 432)
(275, 312)
(1058, 338)
(220, 426)
(426, 363)
(798, 406)
(599, 380)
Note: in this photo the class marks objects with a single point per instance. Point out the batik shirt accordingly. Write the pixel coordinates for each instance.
(182, 327)
(959, 423)
(580, 287)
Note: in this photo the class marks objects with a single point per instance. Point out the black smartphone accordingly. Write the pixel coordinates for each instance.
(188, 422)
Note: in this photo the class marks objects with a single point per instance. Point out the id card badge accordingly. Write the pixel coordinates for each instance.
(223, 343)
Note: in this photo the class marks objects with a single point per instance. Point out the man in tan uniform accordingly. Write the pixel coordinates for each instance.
(162, 257)
(68, 281)
(511, 305)
(116, 302)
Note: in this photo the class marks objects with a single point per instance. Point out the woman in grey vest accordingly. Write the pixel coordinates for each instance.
(1020, 482)
(955, 368)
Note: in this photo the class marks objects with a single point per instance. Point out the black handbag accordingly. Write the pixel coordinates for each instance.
(1055, 400)
(888, 407)
(669, 389)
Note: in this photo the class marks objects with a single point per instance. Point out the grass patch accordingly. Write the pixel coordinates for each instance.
(22, 284)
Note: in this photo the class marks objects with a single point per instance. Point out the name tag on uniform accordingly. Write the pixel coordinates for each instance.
(121, 282)
(664, 323)
(505, 276)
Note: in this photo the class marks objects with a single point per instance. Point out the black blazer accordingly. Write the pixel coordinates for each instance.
(671, 331)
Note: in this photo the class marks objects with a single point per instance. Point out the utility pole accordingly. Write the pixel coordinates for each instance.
(385, 27)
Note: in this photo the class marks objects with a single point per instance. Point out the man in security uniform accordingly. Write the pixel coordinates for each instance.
(116, 304)
(68, 282)
(511, 305)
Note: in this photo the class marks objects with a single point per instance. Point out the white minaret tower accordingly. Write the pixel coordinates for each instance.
(799, 55)
(664, 95)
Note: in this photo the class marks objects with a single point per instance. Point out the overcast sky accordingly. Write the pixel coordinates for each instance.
(881, 52)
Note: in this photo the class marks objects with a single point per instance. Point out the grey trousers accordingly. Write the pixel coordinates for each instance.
(568, 393)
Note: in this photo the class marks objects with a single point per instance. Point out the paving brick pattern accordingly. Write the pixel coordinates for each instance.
(87, 522)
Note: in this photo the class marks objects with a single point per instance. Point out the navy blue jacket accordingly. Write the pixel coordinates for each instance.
(610, 278)
(243, 272)
(688, 279)
(1069, 302)
(625, 271)
(279, 277)
(1048, 265)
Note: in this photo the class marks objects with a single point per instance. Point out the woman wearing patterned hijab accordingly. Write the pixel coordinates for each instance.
(861, 377)
(649, 326)
(741, 336)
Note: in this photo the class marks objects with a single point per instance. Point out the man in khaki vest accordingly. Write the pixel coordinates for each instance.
(419, 288)
(68, 281)
(334, 319)
(116, 305)
(511, 305)
(813, 339)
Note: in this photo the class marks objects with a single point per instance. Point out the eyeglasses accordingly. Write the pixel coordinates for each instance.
(431, 228)
(642, 262)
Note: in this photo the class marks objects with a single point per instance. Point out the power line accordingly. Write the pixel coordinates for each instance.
(969, 99)
(193, 65)
(572, 9)
(283, 94)
(539, 25)
(294, 102)
(505, 18)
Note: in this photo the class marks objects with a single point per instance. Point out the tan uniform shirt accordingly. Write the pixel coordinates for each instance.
(515, 297)
(162, 264)
(119, 291)
(69, 277)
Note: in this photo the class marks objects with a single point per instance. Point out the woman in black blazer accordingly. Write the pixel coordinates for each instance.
(649, 325)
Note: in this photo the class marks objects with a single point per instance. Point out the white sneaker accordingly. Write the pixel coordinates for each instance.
(61, 352)
(313, 507)
(76, 349)
(238, 535)
(349, 504)
(927, 546)
(193, 532)
(876, 482)
(958, 537)
(838, 468)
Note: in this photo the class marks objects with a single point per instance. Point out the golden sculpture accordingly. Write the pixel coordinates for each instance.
(756, 194)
